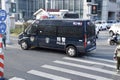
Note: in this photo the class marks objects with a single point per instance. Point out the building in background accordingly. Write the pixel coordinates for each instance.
(107, 9)
(0, 4)
(26, 8)
(71, 5)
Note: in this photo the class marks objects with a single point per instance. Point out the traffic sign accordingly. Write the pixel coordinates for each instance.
(2, 28)
(3, 15)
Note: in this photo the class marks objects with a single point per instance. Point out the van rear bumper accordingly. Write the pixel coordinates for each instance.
(82, 49)
(90, 49)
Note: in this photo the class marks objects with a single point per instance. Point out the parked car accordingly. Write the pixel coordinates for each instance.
(114, 29)
(102, 25)
(97, 31)
(110, 23)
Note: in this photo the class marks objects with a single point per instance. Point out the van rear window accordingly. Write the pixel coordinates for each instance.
(90, 29)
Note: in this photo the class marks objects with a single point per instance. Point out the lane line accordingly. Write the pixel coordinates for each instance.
(86, 67)
(16, 78)
(47, 75)
(75, 72)
(90, 62)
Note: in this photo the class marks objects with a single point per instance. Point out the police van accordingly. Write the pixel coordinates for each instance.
(74, 36)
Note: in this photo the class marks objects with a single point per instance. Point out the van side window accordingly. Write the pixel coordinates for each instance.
(72, 31)
(47, 30)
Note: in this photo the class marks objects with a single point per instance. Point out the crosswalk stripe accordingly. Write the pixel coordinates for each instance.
(75, 72)
(47, 75)
(16, 78)
(89, 62)
(106, 60)
(86, 67)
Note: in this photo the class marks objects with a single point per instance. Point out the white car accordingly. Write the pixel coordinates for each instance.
(97, 31)
(114, 29)
(102, 25)
(110, 23)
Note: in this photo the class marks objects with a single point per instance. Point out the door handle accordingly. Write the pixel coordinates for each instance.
(41, 31)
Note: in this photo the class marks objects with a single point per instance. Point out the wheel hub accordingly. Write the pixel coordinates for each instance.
(24, 45)
(71, 51)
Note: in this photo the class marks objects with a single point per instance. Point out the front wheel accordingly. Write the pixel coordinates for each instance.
(24, 45)
(71, 51)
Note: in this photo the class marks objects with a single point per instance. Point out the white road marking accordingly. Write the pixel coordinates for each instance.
(86, 67)
(89, 62)
(16, 78)
(106, 60)
(47, 75)
(75, 72)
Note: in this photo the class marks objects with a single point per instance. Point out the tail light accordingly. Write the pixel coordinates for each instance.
(85, 41)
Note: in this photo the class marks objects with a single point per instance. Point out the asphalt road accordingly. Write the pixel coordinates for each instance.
(44, 64)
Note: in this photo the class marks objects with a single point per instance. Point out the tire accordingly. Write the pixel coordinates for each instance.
(112, 43)
(71, 51)
(24, 45)
(96, 36)
(111, 33)
(101, 28)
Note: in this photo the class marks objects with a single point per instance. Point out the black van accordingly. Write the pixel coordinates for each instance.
(71, 35)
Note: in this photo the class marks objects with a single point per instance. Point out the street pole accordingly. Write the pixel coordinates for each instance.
(46, 5)
(5, 6)
(89, 13)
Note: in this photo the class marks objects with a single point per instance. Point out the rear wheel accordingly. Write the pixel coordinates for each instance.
(101, 28)
(111, 33)
(112, 43)
(24, 45)
(71, 51)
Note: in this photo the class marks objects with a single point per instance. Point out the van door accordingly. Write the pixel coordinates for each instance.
(46, 34)
(90, 38)
(31, 34)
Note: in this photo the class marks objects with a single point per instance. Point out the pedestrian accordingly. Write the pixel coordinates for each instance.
(4, 40)
(117, 57)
